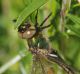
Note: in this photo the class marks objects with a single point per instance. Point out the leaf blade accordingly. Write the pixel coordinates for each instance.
(29, 9)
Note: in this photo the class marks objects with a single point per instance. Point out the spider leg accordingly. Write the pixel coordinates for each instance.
(36, 19)
(45, 19)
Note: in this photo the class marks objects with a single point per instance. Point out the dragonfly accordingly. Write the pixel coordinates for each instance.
(43, 54)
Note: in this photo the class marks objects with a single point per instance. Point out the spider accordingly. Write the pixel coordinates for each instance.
(39, 46)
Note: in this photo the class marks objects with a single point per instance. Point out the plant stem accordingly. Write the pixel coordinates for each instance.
(16, 59)
(65, 8)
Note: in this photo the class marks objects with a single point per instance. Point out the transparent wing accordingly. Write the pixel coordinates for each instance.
(37, 67)
(54, 57)
(41, 66)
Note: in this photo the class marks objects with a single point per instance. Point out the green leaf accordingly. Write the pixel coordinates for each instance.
(74, 18)
(73, 50)
(74, 29)
(35, 4)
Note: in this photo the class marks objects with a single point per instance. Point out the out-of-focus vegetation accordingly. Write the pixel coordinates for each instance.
(64, 33)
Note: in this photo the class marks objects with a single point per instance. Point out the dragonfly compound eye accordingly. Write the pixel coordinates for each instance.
(26, 31)
(23, 28)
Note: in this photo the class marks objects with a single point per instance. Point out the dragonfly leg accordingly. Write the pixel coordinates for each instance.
(45, 19)
(36, 19)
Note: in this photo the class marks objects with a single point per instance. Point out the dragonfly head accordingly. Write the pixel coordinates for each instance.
(23, 28)
(26, 31)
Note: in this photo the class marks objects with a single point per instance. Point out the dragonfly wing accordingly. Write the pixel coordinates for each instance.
(48, 67)
(37, 67)
(41, 66)
(54, 57)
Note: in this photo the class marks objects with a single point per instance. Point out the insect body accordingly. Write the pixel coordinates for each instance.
(41, 49)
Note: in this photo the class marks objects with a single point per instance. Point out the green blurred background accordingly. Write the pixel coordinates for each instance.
(67, 43)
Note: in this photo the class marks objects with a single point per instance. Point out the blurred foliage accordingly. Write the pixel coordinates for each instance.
(67, 43)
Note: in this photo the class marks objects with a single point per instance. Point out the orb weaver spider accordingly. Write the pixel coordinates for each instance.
(39, 46)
